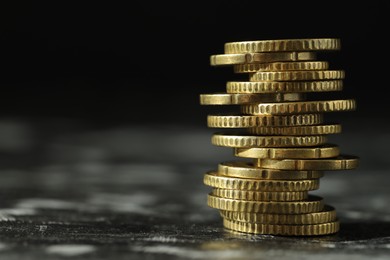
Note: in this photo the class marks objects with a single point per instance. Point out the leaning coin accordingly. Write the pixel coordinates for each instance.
(341, 162)
(323, 151)
(247, 170)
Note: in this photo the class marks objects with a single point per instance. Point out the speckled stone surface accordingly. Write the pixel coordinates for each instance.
(71, 190)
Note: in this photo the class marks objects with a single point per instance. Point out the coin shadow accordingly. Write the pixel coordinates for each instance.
(364, 230)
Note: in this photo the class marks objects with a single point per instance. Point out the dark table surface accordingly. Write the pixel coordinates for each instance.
(77, 190)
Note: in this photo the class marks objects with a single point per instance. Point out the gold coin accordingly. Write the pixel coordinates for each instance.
(240, 99)
(243, 140)
(281, 66)
(245, 121)
(328, 214)
(299, 75)
(283, 86)
(248, 170)
(342, 162)
(216, 180)
(312, 204)
(314, 44)
(261, 195)
(232, 59)
(296, 130)
(299, 107)
(323, 151)
(284, 230)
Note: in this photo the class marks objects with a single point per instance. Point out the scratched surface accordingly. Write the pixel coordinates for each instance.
(74, 190)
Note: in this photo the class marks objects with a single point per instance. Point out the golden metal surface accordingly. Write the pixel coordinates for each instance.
(260, 195)
(281, 66)
(328, 214)
(312, 44)
(312, 204)
(284, 230)
(283, 86)
(299, 107)
(241, 140)
(232, 59)
(297, 75)
(216, 180)
(242, 169)
(323, 151)
(247, 121)
(325, 129)
(240, 99)
(341, 162)
(283, 132)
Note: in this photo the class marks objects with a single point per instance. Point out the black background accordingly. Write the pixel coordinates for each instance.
(143, 62)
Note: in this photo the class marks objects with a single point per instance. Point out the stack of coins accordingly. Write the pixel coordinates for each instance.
(283, 134)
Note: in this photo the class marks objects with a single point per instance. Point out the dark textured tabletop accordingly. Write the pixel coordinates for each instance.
(75, 190)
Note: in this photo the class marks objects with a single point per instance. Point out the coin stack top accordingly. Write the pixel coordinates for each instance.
(280, 135)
